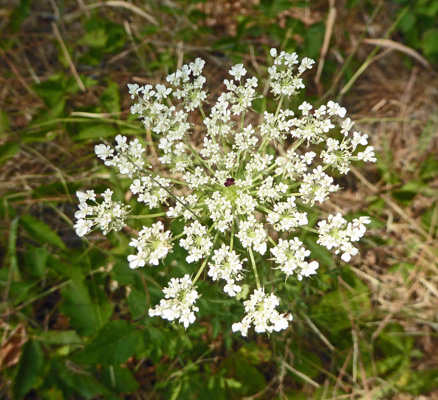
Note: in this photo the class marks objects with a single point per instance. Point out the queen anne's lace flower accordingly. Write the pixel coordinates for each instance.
(337, 233)
(227, 266)
(260, 312)
(290, 255)
(240, 190)
(152, 244)
(108, 215)
(178, 303)
(197, 242)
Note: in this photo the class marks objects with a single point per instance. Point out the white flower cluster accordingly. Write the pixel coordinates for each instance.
(337, 233)
(179, 302)
(152, 244)
(260, 312)
(290, 255)
(283, 80)
(242, 190)
(197, 242)
(152, 191)
(227, 266)
(106, 216)
(128, 158)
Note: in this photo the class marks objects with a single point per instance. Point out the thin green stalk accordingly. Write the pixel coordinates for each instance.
(369, 59)
(178, 236)
(272, 241)
(307, 228)
(202, 112)
(204, 263)
(147, 216)
(254, 267)
(232, 235)
(242, 122)
(197, 155)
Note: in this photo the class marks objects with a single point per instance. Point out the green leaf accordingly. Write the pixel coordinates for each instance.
(119, 380)
(96, 131)
(30, 364)
(60, 337)
(110, 98)
(41, 231)
(19, 15)
(8, 150)
(251, 378)
(85, 315)
(36, 260)
(114, 344)
(86, 385)
(430, 42)
(95, 38)
(137, 303)
(4, 122)
(271, 8)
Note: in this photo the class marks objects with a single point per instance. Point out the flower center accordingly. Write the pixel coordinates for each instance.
(229, 182)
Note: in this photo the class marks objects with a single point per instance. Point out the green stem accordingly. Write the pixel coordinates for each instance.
(147, 216)
(232, 235)
(204, 263)
(254, 269)
(195, 153)
(280, 103)
(272, 241)
(178, 236)
(306, 228)
(202, 112)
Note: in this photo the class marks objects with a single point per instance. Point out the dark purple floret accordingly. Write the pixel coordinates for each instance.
(229, 182)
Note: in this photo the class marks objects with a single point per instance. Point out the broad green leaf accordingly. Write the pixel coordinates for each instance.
(430, 42)
(118, 379)
(137, 303)
(36, 260)
(85, 314)
(86, 385)
(19, 14)
(120, 337)
(30, 364)
(251, 378)
(40, 231)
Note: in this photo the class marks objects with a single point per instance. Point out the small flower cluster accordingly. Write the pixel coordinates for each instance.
(246, 187)
(152, 244)
(108, 215)
(179, 302)
(227, 266)
(260, 312)
(337, 233)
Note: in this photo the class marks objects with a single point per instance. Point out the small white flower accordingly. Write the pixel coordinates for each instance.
(238, 71)
(305, 108)
(367, 155)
